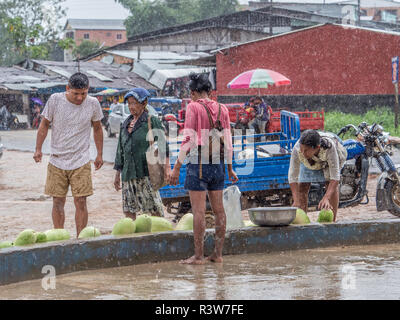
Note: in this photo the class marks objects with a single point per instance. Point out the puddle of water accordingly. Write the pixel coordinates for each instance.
(368, 272)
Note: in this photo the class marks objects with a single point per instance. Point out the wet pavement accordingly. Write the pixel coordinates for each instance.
(367, 272)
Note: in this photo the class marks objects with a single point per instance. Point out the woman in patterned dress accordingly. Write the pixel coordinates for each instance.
(130, 160)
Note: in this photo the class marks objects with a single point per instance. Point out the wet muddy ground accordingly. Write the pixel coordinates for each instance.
(367, 272)
(23, 203)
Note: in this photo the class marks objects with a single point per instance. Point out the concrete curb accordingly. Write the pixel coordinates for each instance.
(26, 263)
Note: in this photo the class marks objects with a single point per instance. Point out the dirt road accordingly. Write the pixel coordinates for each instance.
(23, 203)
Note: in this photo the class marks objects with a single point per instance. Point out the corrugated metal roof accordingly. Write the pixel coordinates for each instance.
(346, 26)
(16, 86)
(59, 71)
(101, 75)
(374, 3)
(45, 85)
(156, 55)
(96, 24)
(159, 77)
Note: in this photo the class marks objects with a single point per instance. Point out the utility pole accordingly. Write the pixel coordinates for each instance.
(358, 12)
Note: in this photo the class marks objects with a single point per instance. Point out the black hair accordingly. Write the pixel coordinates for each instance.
(199, 82)
(78, 81)
(312, 139)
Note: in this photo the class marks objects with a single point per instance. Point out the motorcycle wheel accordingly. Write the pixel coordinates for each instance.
(393, 196)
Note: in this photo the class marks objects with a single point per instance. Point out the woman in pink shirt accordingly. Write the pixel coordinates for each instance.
(205, 173)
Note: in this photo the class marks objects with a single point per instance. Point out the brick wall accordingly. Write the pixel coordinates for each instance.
(326, 60)
(109, 37)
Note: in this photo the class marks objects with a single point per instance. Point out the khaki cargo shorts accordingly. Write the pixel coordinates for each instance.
(59, 180)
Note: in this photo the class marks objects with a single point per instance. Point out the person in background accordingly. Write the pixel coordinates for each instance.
(71, 115)
(36, 116)
(316, 158)
(262, 116)
(204, 178)
(115, 103)
(130, 159)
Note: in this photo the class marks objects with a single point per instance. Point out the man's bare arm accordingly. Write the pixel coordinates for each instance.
(40, 137)
(98, 140)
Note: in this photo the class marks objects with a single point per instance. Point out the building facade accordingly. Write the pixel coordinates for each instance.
(330, 66)
(107, 33)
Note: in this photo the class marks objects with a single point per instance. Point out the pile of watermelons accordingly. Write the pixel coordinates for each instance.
(125, 226)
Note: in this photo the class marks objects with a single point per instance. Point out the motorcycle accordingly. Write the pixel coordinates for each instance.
(8, 121)
(372, 142)
(243, 118)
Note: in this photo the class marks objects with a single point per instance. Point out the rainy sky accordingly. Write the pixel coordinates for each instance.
(109, 9)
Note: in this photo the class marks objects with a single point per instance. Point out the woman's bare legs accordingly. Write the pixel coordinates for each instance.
(198, 202)
(217, 206)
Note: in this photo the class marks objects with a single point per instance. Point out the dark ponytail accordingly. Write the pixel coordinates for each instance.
(311, 138)
(199, 82)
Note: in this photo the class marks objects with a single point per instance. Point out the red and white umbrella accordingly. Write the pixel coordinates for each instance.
(258, 78)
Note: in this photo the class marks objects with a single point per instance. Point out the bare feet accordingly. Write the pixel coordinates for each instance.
(215, 258)
(192, 260)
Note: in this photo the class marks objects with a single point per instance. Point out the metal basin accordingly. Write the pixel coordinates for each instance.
(272, 216)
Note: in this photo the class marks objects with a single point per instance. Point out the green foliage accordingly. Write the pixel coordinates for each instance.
(86, 48)
(66, 44)
(28, 29)
(335, 120)
(150, 15)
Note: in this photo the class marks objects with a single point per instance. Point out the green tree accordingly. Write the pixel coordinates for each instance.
(150, 15)
(28, 29)
(86, 48)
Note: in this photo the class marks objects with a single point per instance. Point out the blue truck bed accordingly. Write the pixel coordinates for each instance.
(260, 167)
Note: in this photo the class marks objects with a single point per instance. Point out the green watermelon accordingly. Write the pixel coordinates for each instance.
(143, 223)
(325, 216)
(89, 232)
(248, 223)
(185, 223)
(6, 244)
(41, 237)
(26, 237)
(160, 224)
(123, 227)
(301, 217)
(57, 235)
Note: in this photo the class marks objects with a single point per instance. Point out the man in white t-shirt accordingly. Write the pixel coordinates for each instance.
(71, 115)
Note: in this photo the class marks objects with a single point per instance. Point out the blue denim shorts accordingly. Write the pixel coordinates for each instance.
(213, 177)
(308, 175)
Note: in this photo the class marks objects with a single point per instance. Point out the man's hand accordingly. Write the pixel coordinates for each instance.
(325, 204)
(37, 156)
(232, 176)
(117, 181)
(174, 176)
(98, 163)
